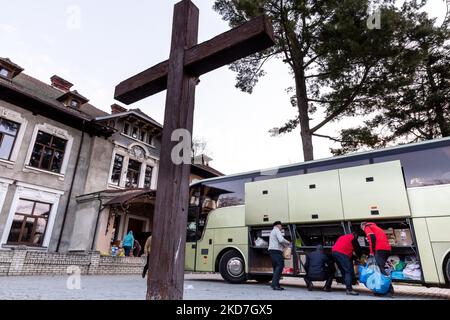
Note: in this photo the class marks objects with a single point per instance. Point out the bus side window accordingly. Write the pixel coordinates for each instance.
(191, 231)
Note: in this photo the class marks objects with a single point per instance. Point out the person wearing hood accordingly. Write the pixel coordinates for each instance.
(319, 267)
(128, 243)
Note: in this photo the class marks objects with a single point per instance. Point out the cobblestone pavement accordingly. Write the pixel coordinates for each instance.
(197, 287)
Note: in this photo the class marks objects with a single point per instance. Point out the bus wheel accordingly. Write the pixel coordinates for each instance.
(262, 278)
(232, 267)
(447, 271)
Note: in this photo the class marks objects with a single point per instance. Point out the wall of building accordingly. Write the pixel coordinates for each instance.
(92, 175)
(20, 173)
(27, 263)
(80, 225)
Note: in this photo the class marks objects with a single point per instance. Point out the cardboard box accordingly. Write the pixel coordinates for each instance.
(403, 237)
(391, 236)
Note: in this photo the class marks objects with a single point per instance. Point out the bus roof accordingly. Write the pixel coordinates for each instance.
(417, 146)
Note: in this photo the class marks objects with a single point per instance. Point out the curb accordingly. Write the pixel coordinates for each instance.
(400, 290)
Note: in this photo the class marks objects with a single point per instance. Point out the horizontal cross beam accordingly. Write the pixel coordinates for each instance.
(246, 39)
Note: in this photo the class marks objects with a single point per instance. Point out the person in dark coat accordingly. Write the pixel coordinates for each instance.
(137, 249)
(319, 267)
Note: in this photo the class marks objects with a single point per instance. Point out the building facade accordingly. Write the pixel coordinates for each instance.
(73, 177)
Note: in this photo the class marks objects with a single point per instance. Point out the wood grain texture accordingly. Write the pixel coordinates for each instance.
(166, 269)
(248, 38)
(179, 75)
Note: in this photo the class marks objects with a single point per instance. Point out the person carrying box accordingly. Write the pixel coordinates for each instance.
(277, 243)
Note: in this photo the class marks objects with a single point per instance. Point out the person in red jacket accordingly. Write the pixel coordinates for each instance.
(342, 253)
(378, 245)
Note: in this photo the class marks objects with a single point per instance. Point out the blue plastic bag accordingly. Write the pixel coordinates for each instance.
(397, 275)
(378, 282)
(365, 273)
(368, 270)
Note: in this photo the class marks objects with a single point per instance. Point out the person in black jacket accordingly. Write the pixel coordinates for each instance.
(319, 267)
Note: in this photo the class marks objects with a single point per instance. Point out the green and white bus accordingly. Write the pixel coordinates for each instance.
(404, 189)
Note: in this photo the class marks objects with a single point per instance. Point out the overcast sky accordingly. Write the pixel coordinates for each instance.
(113, 40)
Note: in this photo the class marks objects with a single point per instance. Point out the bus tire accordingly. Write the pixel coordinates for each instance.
(447, 270)
(262, 278)
(232, 267)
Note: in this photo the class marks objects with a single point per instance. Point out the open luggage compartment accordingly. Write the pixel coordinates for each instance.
(259, 258)
(306, 237)
(404, 260)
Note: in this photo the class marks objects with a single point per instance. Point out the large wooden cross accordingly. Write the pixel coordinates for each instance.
(188, 60)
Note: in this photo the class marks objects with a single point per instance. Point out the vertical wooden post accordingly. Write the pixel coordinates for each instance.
(166, 269)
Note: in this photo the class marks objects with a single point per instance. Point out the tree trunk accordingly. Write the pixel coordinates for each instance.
(302, 103)
(444, 126)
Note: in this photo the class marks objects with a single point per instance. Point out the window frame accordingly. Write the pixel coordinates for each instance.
(132, 132)
(76, 102)
(3, 134)
(54, 150)
(8, 73)
(33, 193)
(33, 232)
(135, 172)
(55, 131)
(121, 169)
(16, 117)
(147, 166)
(143, 138)
(126, 128)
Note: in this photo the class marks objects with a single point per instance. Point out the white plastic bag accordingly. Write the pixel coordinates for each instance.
(412, 271)
(260, 242)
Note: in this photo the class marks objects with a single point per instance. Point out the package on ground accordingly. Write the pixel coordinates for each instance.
(288, 270)
(373, 279)
(395, 263)
(397, 275)
(403, 237)
(412, 271)
(364, 273)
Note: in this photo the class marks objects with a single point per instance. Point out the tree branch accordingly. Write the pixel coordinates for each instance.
(317, 75)
(327, 137)
(342, 108)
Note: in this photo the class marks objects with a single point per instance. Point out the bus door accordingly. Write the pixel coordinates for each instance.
(191, 239)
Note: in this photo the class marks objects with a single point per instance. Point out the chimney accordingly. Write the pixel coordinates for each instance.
(115, 108)
(61, 83)
(202, 159)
